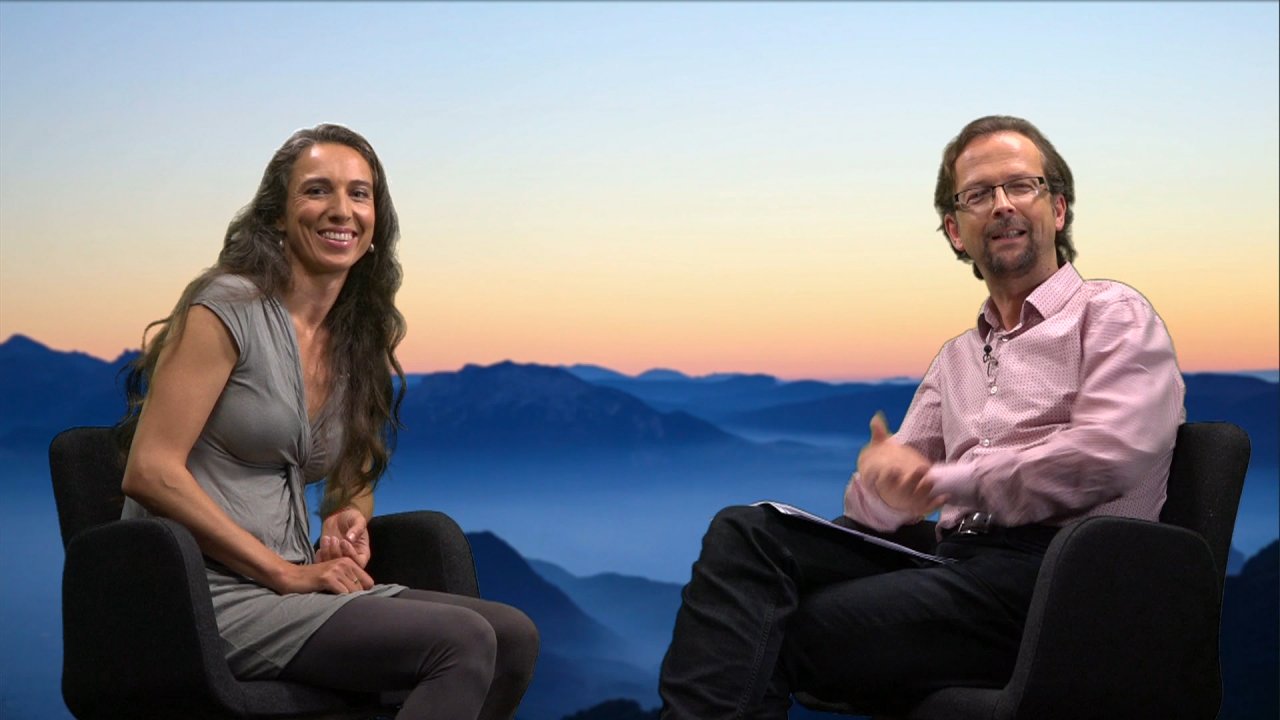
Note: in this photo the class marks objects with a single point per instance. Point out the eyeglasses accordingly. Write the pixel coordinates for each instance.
(1018, 190)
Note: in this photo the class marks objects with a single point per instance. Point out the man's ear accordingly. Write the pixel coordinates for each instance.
(953, 232)
(1059, 211)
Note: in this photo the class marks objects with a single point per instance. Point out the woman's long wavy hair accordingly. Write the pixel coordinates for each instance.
(364, 325)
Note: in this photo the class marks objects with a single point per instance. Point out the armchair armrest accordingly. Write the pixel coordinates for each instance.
(424, 550)
(1125, 616)
(127, 575)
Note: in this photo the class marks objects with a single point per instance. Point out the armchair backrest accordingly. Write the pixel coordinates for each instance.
(86, 470)
(1205, 481)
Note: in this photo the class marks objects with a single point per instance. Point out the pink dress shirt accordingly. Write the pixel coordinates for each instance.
(1074, 415)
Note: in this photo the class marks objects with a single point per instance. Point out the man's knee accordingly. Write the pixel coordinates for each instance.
(731, 527)
(732, 536)
(736, 520)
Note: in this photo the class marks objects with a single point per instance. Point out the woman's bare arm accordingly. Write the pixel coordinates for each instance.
(188, 380)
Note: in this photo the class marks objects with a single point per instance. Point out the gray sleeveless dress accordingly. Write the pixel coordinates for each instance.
(254, 456)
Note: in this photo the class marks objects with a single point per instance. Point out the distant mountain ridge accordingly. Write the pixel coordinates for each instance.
(528, 408)
(755, 401)
(538, 408)
(43, 391)
(506, 406)
(1248, 401)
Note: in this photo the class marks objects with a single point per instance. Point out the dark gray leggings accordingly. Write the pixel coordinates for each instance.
(458, 657)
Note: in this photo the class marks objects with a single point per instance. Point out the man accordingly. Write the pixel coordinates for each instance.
(1062, 403)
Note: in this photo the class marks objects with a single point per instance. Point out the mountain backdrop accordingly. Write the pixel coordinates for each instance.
(608, 480)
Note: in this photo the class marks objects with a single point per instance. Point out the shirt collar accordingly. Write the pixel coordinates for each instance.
(1048, 298)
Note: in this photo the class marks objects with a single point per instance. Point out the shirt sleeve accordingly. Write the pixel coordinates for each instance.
(230, 298)
(1123, 422)
(922, 431)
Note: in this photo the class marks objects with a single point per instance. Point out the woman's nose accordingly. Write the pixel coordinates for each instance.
(340, 208)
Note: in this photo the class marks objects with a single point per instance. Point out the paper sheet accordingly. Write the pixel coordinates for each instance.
(794, 511)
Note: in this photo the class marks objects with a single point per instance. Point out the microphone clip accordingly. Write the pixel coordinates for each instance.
(989, 360)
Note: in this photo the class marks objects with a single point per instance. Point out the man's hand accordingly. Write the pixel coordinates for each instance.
(897, 473)
(345, 534)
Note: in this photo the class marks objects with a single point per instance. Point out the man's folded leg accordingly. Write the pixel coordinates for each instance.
(755, 566)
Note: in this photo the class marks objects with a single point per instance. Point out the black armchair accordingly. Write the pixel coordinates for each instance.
(1125, 616)
(139, 637)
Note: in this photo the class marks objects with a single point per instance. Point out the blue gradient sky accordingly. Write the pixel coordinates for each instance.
(711, 187)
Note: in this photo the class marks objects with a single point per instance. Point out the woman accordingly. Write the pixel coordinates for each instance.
(273, 371)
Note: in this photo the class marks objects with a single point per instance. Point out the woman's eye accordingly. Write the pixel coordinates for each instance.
(314, 191)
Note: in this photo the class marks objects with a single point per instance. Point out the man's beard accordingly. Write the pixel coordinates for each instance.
(1018, 264)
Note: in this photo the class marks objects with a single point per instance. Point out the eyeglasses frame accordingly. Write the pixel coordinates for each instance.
(1042, 183)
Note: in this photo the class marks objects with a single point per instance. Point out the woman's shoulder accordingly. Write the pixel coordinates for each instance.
(254, 322)
(227, 288)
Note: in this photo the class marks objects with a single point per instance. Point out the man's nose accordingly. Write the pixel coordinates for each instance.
(1000, 204)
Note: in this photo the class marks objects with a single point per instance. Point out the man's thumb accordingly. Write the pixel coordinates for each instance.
(879, 428)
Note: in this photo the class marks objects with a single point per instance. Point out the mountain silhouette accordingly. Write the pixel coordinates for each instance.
(660, 374)
(847, 412)
(579, 662)
(509, 406)
(762, 402)
(593, 373)
(643, 611)
(1251, 638)
(1249, 402)
(717, 397)
(43, 391)
(1235, 560)
(505, 576)
(615, 710)
(516, 407)
(504, 406)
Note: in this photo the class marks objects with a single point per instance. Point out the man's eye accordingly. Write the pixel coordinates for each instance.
(314, 190)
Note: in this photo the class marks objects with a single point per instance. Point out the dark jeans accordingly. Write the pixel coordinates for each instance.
(778, 604)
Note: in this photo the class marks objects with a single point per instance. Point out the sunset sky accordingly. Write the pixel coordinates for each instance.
(707, 187)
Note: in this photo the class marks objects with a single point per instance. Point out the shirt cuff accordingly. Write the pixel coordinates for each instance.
(868, 508)
(956, 482)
